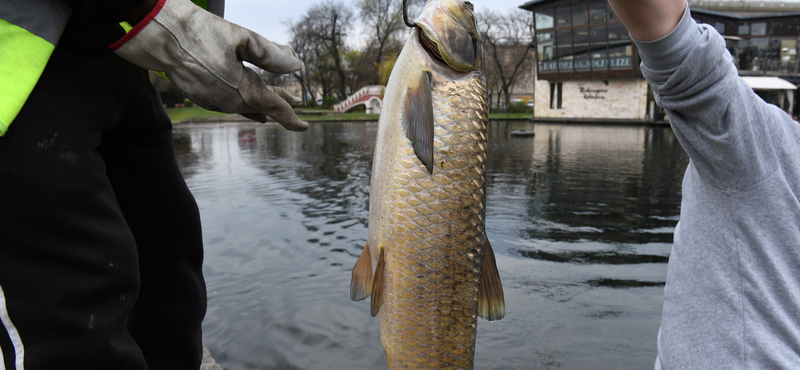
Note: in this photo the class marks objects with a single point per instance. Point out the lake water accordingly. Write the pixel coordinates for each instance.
(580, 217)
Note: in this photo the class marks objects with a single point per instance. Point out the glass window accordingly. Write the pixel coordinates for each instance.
(562, 16)
(545, 49)
(620, 57)
(720, 26)
(580, 13)
(787, 59)
(618, 35)
(774, 50)
(545, 45)
(620, 50)
(544, 18)
(759, 46)
(788, 50)
(744, 29)
(784, 27)
(753, 54)
(759, 29)
(559, 88)
(776, 28)
(580, 45)
(741, 48)
(599, 43)
(791, 28)
(612, 17)
(564, 42)
(555, 95)
(597, 11)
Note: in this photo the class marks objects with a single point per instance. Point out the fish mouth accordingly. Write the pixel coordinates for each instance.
(449, 33)
(430, 46)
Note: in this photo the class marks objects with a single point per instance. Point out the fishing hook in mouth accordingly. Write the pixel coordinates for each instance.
(405, 16)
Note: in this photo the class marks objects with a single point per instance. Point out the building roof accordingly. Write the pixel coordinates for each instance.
(741, 16)
(769, 83)
(530, 4)
(727, 5)
(746, 6)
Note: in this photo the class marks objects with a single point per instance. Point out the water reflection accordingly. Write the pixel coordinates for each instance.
(615, 184)
(580, 217)
(582, 257)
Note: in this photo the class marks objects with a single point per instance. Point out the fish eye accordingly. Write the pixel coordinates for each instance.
(469, 5)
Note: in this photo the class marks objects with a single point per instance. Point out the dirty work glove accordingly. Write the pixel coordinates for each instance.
(202, 55)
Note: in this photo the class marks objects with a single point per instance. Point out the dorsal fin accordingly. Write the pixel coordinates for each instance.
(361, 281)
(418, 119)
(491, 303)
(377, 285)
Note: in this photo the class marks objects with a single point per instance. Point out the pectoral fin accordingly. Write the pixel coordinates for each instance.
(491, 304)
(361, 281)
(418, 119)
(377, 286)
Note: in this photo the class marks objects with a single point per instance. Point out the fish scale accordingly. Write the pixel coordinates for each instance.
(436, 223)
(428, 265)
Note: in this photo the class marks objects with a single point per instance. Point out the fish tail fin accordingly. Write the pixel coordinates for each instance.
(377, 285)
(491, 303)
(361, 282)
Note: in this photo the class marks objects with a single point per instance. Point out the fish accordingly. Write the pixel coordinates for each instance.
(428, 267)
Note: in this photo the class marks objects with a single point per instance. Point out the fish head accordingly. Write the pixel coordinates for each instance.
(449, 32)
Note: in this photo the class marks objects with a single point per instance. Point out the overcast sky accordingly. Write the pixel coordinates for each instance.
(265, 17)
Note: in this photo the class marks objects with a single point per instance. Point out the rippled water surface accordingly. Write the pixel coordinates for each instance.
(580, 218)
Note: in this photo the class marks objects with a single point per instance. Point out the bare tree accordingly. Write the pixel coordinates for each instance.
(317, 74)
(303, 47)
(505, 42)
(318, 38)
(329, 22)
(383, 21)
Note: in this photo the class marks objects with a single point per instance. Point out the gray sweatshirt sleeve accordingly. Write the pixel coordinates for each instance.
(726, 129)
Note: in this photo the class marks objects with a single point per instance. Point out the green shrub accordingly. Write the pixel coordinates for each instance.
(171, 96)
(329, 101)
(359, 108)
(519, 107)
(497, 108)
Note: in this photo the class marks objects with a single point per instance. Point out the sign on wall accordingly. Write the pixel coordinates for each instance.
(590, 93)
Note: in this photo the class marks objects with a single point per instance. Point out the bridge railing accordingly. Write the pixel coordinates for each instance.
(372, 90)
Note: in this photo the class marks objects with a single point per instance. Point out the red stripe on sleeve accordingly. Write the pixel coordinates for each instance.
(139, 26)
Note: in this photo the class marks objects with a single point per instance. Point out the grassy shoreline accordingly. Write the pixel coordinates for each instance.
(190, 113)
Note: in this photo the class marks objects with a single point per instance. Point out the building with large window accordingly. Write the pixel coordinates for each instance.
(587, 67)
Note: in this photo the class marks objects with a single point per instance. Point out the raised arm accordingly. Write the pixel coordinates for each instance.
(727, 130)
(648, 20)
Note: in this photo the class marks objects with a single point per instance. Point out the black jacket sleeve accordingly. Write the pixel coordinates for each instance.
(101, 11)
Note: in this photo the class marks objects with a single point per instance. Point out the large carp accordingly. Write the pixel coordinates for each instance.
(428, 264)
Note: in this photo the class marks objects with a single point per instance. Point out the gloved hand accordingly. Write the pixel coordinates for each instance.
(202, 55)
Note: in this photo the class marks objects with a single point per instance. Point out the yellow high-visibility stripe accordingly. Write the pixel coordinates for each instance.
(23, 57)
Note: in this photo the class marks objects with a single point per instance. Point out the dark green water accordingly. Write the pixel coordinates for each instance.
(580, 218)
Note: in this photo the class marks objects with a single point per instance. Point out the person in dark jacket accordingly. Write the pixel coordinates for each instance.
(100, 240)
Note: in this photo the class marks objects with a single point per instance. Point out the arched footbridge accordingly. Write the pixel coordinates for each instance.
(369, 96)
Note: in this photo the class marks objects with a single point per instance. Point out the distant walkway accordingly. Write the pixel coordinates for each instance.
(369, 96)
